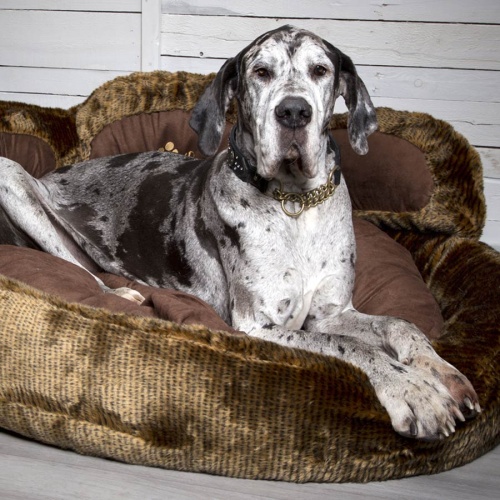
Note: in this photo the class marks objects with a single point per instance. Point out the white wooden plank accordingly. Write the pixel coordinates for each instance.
(203, 65)
(76, 5)
(150, 35)
(491, 233)
(368, 43)
(46, 100)
(70, 40)
(72, 82)
(462, 11)
(491, 162)
(431, 83)
(404, 82)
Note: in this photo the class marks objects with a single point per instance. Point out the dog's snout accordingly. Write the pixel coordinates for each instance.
(293, 112)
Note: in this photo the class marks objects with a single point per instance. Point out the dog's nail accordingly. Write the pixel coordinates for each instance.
(459, 414)
(413, 429)
(468, 403)
(451, 427)
(477, 407)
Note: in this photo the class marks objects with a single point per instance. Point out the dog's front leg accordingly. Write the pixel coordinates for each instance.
(404, 342)
(419, 405)
(411, 351)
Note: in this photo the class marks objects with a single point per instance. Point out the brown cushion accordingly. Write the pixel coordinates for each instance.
(393, 176)
(58, 277)
(387, 283)
(149, 132)
(34, 154)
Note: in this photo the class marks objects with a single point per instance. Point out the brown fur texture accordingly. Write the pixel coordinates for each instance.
(455, 167)
(155, 393)
(53, 125)
(133, 94)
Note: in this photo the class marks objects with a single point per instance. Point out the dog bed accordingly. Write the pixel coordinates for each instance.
(169, 384)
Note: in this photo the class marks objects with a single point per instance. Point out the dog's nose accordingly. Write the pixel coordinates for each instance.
(293, 112)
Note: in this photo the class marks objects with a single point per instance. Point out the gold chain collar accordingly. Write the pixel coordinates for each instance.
(308, 199)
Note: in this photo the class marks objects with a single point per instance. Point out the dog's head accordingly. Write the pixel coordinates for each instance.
(286, 83)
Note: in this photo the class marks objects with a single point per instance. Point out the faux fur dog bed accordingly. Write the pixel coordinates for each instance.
(169, 384)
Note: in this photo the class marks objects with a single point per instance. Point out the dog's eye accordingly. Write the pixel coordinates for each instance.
(262, 73)
(319, 70)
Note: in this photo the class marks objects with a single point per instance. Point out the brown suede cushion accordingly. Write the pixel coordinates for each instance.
(58, 277)
(34, 154)
(387, 282)
(149, 132)
(393, 176)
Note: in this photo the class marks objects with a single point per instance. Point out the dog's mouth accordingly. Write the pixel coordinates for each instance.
(292, 162)
(296, 162)
(290, 156)
(293, 154)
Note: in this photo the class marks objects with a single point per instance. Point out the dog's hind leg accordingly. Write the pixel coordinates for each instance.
(23, 202)
(20, 199)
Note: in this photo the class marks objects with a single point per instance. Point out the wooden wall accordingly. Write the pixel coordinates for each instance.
(440, 57)
(55, 52)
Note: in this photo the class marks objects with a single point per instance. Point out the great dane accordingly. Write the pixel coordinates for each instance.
(262, 231)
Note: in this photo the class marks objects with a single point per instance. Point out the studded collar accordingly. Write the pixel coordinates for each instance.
(243, 169)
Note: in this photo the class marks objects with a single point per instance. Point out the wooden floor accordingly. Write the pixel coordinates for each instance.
(32, 471)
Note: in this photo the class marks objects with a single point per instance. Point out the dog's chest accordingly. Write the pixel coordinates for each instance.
(285, 241)
(280, 261)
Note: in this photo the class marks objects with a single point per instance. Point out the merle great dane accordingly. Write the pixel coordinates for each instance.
(262, 231)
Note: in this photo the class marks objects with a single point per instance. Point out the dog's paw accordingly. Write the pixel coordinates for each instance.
(418, 404)
(129, 294)
(456, 383)
(435, 394)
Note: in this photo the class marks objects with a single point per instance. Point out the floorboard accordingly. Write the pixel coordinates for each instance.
(33, 471)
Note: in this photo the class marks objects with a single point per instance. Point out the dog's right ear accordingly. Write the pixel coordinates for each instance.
(208, 118)
(362, 119)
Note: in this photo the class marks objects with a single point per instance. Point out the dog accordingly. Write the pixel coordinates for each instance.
(261, 231)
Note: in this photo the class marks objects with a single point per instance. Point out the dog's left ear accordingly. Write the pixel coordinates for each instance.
(209, 114)
(362, 119)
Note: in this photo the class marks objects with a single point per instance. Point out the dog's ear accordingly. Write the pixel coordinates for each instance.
(208, 118)
(362, 119)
